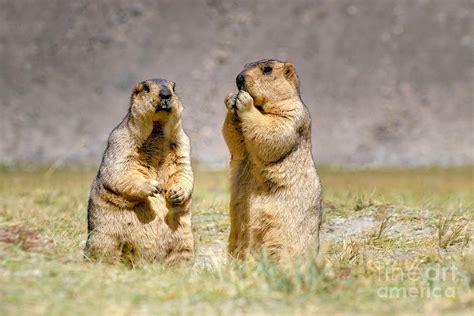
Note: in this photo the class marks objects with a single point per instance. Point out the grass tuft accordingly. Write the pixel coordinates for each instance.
(452, 229)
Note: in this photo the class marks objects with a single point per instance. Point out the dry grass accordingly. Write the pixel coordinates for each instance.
(394, 241)
(452, 229)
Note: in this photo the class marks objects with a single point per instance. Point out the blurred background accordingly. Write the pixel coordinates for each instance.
(387, 82)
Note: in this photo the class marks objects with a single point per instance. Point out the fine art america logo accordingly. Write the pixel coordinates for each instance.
(427, 282)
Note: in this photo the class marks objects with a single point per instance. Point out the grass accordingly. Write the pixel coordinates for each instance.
(394, 241)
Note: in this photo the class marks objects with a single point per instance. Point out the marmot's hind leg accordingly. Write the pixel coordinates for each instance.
(239, 208)
(181, 255)
(181, 246)
(104, 248)
(238, 237)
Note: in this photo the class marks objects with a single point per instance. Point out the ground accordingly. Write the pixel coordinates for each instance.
(394, 241)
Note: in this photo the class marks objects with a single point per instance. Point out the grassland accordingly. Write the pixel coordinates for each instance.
(394, 241)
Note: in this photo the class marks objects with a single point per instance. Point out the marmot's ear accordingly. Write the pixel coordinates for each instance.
(289, 71)
(137, 89)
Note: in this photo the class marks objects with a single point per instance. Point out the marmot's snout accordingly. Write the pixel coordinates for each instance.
(165, 93)
(165, 100)
(240, 81)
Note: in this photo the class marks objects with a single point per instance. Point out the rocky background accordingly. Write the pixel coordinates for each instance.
(387, 82)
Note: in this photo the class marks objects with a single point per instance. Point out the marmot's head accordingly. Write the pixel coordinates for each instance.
(156, 99)
(268, 80)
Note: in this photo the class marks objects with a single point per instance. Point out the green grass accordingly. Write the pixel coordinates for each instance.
(394, 241)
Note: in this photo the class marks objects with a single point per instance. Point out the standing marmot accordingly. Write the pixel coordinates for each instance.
(275, 191)
(139, 204)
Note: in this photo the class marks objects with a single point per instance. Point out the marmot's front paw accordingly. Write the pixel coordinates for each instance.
(229, 101)
(176, 195)
(244, 101)
(149, 188)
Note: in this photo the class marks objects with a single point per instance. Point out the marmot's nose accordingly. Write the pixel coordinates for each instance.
(240, 80)
(165, 93)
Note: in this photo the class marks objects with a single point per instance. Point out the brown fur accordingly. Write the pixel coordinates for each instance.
(139, 203)
(275, 201)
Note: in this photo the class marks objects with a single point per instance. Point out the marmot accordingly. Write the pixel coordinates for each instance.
(275, 203)
(139, 202)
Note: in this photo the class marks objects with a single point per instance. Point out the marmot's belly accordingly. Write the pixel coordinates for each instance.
(148, 231)
(286, 219)
(293, 172)
(287, 185)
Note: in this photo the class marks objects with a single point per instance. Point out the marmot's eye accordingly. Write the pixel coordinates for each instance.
(146, 88)
(267, 70)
